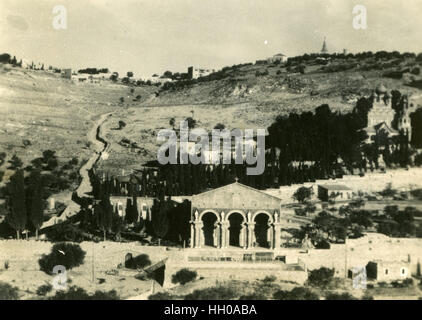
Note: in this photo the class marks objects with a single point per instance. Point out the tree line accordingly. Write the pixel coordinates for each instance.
(300, 148)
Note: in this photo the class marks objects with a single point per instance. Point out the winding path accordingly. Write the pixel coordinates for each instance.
(99, 145)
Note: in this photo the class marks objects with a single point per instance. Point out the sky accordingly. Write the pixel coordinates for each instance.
(152, 36)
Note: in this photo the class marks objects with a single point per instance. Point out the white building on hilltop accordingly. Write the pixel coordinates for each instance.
(195, 73)
(279, 57)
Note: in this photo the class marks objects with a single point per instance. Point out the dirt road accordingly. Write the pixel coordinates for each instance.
(98, 145)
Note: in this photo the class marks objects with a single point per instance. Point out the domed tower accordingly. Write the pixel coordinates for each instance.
(382, 95)
(381, 110)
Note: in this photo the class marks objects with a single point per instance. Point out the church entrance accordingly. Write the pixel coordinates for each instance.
(235, 229)
(209, 220)
(262, 230)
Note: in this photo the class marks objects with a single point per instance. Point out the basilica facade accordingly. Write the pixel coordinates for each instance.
(236, 216)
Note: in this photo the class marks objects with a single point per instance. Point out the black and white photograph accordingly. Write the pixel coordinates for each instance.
(234, 151)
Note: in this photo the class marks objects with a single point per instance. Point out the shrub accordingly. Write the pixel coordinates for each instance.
(6, 265)
(321, 277)
(253, 296)
(214, 293)
(122, 124)
(44, 289)
(323, 244)
(69, 255)
(407, 282)
(416, 71)
(140, 261)
(367, 296)
(298, 293)
(77, 293)
(161, 296)
(7, 292)
(271, 278)
(184, 276)
(340, 296)
(105, 295)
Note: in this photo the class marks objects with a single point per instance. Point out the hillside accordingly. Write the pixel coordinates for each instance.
(252, 96)
(298, 85)
(51, 112)
(40, 111)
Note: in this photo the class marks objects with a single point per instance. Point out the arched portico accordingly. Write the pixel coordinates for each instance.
(210, 228)
(237, 229)
(235, 215)
(263, 230)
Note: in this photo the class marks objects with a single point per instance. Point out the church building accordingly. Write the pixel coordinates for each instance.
(236, 215)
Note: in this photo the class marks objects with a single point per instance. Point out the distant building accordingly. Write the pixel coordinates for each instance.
(66, 74)
(278, 58)
(195, 73)
(337, 191)
(388, 270)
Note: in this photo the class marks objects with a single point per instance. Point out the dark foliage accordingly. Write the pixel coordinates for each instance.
(184, 276)
(68, 255)
(7, 292)
(298, 293)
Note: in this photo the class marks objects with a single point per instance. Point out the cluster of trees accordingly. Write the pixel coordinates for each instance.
(29, 188)
(7, 58)
(25, 202)
(302, 148)
(359, 56)
(398, 223)
(55, 178)
(416, 122)
(164, 213)
(353, 221)
(93, 70)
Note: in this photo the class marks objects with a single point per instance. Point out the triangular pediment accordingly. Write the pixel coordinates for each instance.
(236, 196)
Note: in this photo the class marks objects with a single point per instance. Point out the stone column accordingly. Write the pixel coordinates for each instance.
(251, 234)
(224, 234)
(277, 234)
(216, 235)
(243, 236)
(198, 231)
(192, 234)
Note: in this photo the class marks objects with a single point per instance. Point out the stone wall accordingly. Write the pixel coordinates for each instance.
(400, 179)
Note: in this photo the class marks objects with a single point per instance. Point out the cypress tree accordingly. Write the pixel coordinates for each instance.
(16, 202)
(105, 217)
(128, 211)
(36, 203)
(135, 213)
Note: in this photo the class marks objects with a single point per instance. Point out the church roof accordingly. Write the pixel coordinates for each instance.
(236, 196)
(378, 127)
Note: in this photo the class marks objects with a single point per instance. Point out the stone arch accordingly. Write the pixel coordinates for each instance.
(270, 216)
(209, 210)
(263, 233)
(210, 231)
(237, 233)
(226, 219)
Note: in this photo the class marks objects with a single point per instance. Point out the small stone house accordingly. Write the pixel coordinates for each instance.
(337, 192)
(388, 270)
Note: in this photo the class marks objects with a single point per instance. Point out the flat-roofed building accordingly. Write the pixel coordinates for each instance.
(334, 191)
(388, 270)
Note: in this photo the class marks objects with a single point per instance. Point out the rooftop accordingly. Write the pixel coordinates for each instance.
(335, 187)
